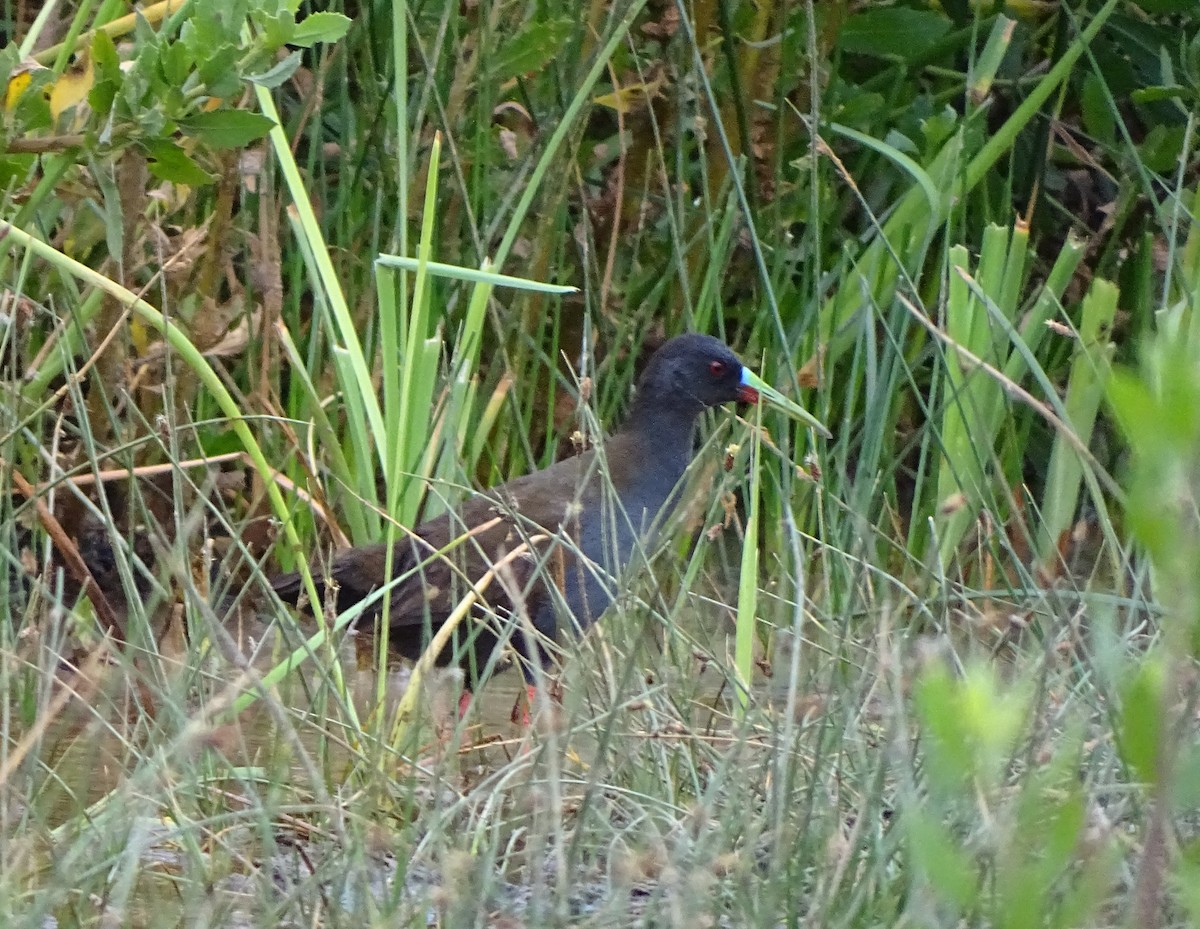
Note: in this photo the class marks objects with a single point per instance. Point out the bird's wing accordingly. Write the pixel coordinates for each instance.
(444, 557)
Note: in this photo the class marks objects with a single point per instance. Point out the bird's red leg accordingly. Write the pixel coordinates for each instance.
(521, 708)
(464, 703)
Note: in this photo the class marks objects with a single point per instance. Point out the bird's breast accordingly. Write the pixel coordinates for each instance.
(610, 534)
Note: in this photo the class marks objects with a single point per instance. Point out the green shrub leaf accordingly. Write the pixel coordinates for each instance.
(169, 162)
(532, 48)
(320, 27)
(893, 31)
(225, 129)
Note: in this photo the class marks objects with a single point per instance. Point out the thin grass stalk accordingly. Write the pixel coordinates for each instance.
(1086, 387)
(407, 397)
(42, 207)
(975, 403)
(911, 225)
(481, 275)
(1101, 485)
(747, 608)
(195, 360)
(960, 470)
(70, 340)
(363, 485)
(406, 710)
(77, 40)
(1012, 283)
(1190, 261)
(400, 96)
(487, 421)
(1033, 327)
(395, 362)
(735, 166)
(706, 306)
(566, 124)
(362, 431)
(1007, 262)
(420, 371)
(461, 400)
(985, 67)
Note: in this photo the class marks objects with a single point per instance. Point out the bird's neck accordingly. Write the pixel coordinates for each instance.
(662, 436)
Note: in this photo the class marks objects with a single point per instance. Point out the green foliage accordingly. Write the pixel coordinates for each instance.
(1159, 411)
(224, 129)
(1014, 850)
(531, 49)
(177, 78)
(893, 31)
(971, 726)
(1141, 731)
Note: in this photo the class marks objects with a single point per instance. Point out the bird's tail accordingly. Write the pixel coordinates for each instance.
(289, 587)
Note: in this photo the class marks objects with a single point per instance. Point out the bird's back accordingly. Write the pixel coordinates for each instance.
(580, 522)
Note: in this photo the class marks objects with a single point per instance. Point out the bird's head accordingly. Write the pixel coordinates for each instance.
(694, 371)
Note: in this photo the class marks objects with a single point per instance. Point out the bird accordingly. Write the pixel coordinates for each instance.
(557, 541)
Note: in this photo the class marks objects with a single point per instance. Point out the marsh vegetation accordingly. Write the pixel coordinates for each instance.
(277, 280)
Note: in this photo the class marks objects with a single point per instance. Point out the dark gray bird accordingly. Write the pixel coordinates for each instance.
(581, 521)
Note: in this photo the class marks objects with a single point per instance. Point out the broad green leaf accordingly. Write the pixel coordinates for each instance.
(946, 867)
(1097, 115)
(1158, 94)
(1161, 148)
(948, 757)
(202, 33)
(1185, 880)
(275, 76)
(169, 162)
(969, 724)
(176, 63)
(1086, 384)
(859, 109)
(104, 57)
(219, 71)
(275, 29)
(1133, 404)
(531, 49)
(225, 129)
(1186, 794)
(992, 57)
(1139, 729)
(893, 31)
(320, 27)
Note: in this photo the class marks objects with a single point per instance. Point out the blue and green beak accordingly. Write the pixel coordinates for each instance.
(754, 388)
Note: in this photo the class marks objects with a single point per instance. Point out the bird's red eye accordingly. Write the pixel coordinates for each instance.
(717, 368)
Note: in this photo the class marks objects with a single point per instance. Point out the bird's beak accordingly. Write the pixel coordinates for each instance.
(753, 388)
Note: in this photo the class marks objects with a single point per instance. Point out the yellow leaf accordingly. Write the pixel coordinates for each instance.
(18, 83)
(141, 336)
(16, 87)
(72, 88)
(632, 96)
